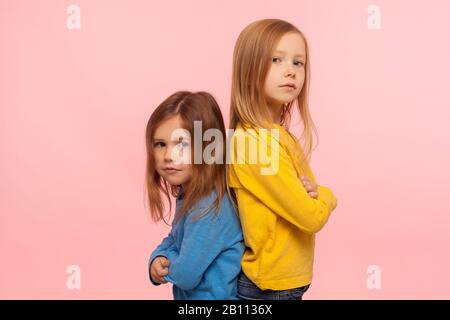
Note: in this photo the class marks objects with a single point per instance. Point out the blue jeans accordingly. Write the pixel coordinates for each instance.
(247, 290)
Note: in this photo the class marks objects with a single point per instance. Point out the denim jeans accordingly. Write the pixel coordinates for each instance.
(247, 290)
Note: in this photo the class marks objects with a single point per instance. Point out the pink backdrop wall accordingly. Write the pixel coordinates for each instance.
(74, 104)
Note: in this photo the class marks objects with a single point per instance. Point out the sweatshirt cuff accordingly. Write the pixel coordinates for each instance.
(327, 195)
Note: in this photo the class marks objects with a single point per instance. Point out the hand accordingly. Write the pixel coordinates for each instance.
(310, 187)
(159, 269)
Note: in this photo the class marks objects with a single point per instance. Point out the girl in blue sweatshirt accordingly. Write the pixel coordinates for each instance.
(202, 254)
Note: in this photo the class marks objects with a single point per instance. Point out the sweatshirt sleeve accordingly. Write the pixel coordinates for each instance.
(203, 240)
(282, 191)
(166, 246)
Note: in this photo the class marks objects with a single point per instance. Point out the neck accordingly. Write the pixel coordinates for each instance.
(276, 113)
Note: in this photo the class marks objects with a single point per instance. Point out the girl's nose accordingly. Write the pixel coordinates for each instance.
(290, 72)
(168, 156)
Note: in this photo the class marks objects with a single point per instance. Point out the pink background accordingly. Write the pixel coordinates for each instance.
(74, 105)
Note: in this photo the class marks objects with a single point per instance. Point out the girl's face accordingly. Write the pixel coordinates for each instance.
(172, 149)
(286, 75)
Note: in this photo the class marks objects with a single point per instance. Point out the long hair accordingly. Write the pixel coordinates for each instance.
(197, 106)
(251, 63)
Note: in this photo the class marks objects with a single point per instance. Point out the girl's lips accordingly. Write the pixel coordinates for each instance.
(288, 88)
(288, 85)
(171, 170)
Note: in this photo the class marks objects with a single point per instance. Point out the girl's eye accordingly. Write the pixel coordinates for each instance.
(159, 144)
(184, 144)
(276, 59)
(299, 63)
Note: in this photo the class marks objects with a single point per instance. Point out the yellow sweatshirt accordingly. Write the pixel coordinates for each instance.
(279, 219)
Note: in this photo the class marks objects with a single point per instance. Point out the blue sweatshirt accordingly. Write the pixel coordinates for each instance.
(205, 254)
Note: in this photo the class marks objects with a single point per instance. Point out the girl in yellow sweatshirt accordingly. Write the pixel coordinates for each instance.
(281, 207)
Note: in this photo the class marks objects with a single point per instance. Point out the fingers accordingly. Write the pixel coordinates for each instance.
(163, 272)
(305, 180)
(314, 195)
(162, 269)
(161, 262)
(156, 277)
(159, 269)
(162, 280)
(165, 262)
(310, 187)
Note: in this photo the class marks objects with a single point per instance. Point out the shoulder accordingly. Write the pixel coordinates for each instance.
(259, 146)
(245, 137)
(276, 133)
(207, 211)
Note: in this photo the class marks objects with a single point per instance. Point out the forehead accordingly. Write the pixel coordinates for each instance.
(169, 126)
(291, 43)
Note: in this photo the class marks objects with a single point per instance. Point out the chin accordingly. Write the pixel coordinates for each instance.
(285, 101)
(172, 181)
(176, 181)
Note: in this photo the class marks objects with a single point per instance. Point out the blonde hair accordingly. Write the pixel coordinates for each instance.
(251, 63)
(197, 106)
